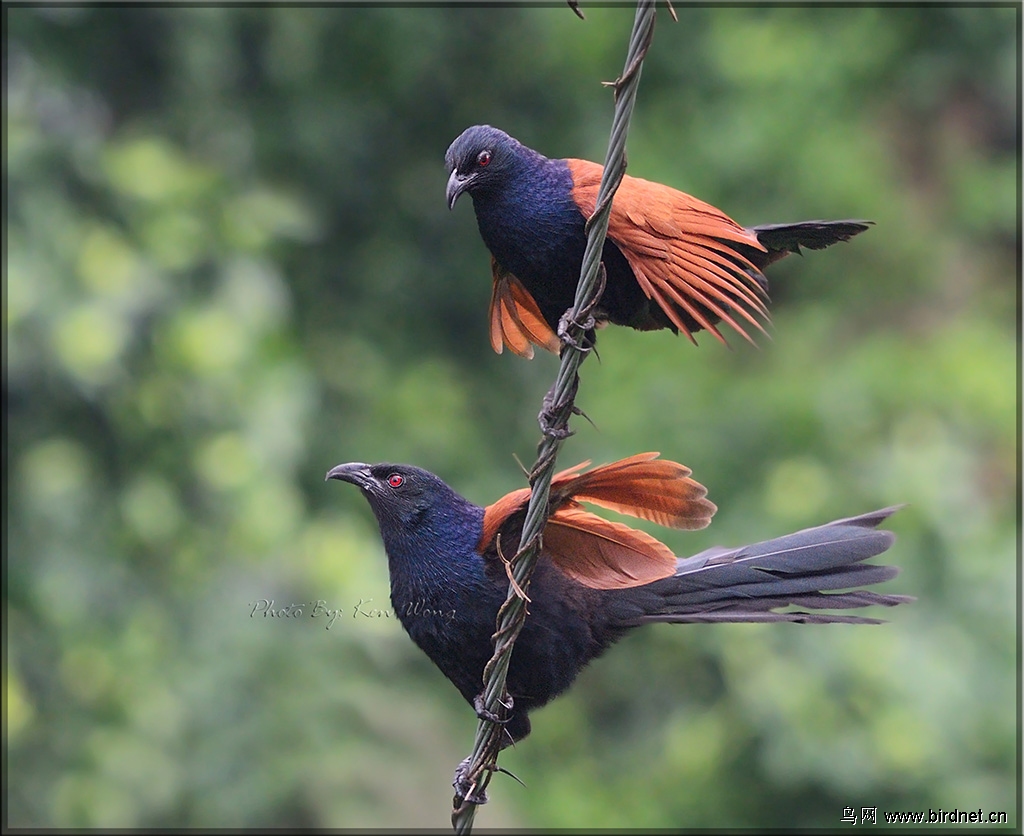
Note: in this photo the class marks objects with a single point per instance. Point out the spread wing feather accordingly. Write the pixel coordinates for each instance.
(646, 487)
(679, 250)
(595, 551)
(603, 554)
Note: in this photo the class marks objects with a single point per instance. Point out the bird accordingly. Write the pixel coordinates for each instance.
(595, 579)
(672, 261)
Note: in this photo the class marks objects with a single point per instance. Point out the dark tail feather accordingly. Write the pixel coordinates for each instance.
(817, 568)
(782, 239)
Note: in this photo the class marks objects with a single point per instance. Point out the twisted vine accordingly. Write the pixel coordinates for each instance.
(559, 406)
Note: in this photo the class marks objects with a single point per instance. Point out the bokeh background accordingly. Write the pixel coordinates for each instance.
(229, 266)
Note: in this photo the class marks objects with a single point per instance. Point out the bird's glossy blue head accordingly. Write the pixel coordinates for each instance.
(480, 158)
(399, 493)
(411, 504)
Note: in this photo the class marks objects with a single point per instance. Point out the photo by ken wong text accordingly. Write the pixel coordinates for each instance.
(364, 608)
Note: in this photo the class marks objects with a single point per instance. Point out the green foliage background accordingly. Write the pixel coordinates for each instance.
(230, 267)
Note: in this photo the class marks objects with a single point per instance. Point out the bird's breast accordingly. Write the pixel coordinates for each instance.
(453, 626)
(534, 230)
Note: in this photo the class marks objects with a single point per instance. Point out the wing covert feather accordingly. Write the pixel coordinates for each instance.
(678, 248)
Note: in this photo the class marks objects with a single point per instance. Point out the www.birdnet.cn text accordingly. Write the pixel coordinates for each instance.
(872, 815)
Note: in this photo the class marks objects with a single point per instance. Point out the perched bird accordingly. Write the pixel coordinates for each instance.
(595, 579)
(672, 261)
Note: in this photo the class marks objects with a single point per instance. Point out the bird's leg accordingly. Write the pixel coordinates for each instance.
(555, 413)
(551, 421)
(465, 787)
(490, 716)
(565, 322)
(465, 782)
(584, 320)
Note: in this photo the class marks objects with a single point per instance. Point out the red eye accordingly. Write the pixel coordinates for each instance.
(395, 480)
(483, 158)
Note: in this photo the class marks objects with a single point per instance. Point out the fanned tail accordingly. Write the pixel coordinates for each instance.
(818, 568)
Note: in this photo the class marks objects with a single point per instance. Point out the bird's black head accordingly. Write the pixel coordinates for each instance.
(402, 496)
(480, 158)
(422, 520)
(398, 493)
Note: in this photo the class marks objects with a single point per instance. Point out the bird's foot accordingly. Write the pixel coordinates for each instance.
(553, 417)
(551, 423)
(465, 787)
(587, 325)
(584, 319)
(490, 716)
(549, 426)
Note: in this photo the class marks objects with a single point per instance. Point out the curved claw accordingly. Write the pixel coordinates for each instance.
(484, 714)
(548, 428)
(465, 788)
(552, 423)
(587, 325)
(585, 319)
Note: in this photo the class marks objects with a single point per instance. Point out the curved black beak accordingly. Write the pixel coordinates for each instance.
(457, 184)
(356, 473)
